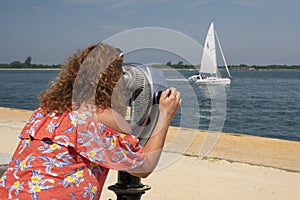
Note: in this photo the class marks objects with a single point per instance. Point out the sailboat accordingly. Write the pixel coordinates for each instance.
(208, 72)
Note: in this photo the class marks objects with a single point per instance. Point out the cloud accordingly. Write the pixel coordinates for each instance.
(122, 4)
(124, 7)
(267, 3)
(245, 2)
(115, 5)
(84, 1)
(38, 8)
(110, 3)
(198, 3)
(113, 28)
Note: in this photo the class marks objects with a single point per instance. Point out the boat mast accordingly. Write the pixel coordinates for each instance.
(222, 54)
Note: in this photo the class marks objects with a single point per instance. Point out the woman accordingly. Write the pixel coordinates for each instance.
(78, 133)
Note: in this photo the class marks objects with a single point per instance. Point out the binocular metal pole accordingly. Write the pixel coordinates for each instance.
(128, 187)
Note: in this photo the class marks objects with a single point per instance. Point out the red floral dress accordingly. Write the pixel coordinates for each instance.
(66, 156)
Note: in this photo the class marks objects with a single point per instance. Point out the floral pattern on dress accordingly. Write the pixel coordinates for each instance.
(70, 153)
(37, 184)
(15, 187)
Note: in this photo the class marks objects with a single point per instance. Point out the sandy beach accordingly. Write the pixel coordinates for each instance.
(199, 165)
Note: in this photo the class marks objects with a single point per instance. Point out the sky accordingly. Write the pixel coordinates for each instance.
(252, 32)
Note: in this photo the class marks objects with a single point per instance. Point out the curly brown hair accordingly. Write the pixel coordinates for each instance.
(92, 76)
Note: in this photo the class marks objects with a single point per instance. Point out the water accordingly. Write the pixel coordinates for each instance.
(262, 103)
(265, 103)
(20, 88)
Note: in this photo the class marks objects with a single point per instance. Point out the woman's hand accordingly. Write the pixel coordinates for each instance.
(169, 103)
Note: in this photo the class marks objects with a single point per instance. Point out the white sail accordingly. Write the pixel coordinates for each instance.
(225, 63)
(208, 72)
(209, 60)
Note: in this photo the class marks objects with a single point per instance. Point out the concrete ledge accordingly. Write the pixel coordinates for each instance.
(219, 173)
(275, 153)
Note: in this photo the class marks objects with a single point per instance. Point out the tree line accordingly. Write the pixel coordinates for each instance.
(27, 64)
(180, 65)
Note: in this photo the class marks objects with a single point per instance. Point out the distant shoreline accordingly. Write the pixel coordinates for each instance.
(38, 69)
(182, 67)
(178, 69)
(27, 65)
(230, 67)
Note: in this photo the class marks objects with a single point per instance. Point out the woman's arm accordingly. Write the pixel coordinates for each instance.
(113, 120)
(168, 105)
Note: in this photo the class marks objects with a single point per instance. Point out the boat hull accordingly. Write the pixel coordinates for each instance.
(210, 80)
